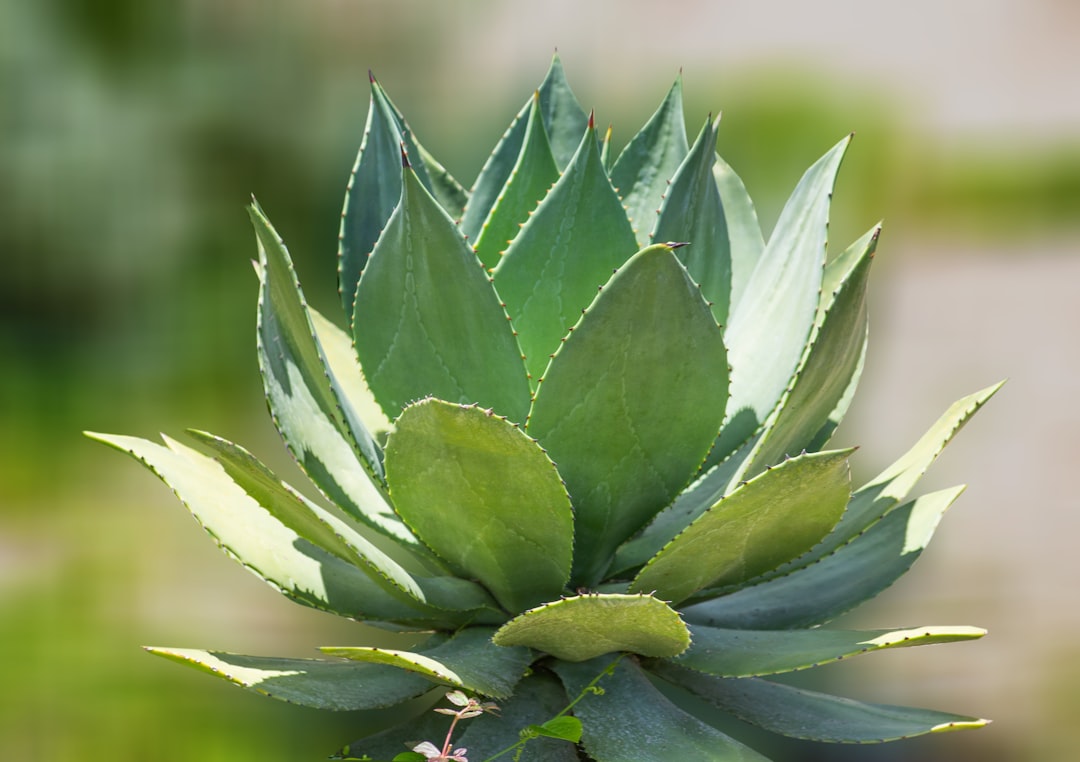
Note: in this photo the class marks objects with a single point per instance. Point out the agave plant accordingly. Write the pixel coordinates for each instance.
(578, 421)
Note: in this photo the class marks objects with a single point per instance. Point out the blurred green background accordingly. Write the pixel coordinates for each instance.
(133, 133)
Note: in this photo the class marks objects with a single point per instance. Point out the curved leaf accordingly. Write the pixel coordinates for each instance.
(799, 713)
(343, 363)
(744, 231)
(250, 533)
(374, 188)
(632, 721)
(692, 212)
(468, 660)
(311, 410)
(428, 321)
(769, 329)
(336, 685)
(828, 367)
(447, 191)
(752, 653)
(626, 419)
(837, 583)
(645, 167)
(325, 530)
(586, 626)
(566, 250)
(530, 180)
(771, 519)
(564, 121)
(483, 496)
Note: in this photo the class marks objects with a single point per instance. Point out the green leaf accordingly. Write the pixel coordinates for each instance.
(468, 660)
(428, 321)
(532, 177)
(770, 326)
(799, 713)
(536, 698)
(827, 369)
(447, 191)
(744, 232)
(335, 685)
(690, 503)
(632, 721)
(771, 519)
(563, 728)
(837, 583)
(564, 123)
(323, 529)
(250, 533)
(585, 626)
(341, 358)
(621, 412)
(566, 250)
(374, 188)
(644, 168)
(485, 497)
(311, 410)
(692, 212)
(885, 491)
(752, 653)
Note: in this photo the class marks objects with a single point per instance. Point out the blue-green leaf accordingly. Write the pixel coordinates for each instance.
(645, 167)
(625, 418)
(769, 328)
(752, 653)
(321, 684)
(530, 180)
(252, 534)
(428, 321)
(692, 212)
(567, 249)
(799, 713)
(312, 411)
(632, 721)
(564, 123)
(467, 660)
(839, 582)
(744, 231)
(374, 188)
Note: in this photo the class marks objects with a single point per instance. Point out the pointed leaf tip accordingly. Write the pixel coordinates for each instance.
(371, 76)
(404, 157)
(676, 244)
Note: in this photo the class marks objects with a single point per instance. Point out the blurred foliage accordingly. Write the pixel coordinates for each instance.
(131, 135)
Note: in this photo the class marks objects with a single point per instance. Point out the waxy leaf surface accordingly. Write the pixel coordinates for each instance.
(769, 329)
(745, 241)
(336, 685)
(585, 626)
(621, 412)
(467, 660)
(769, 520)
(837, 583)
(532, 177)
(799, 713)
(752, 653)
(645, 167)
(428, 321)
(483, 496)
(632, 721)
(310, 407)
(692, 212)
(567, 249)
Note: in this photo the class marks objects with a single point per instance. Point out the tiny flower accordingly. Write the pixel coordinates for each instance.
(432, 753)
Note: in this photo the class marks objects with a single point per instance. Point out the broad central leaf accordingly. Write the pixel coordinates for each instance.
(622, 412)
(484, 497)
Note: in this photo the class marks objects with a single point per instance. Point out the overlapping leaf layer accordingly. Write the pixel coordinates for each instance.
(578, 414)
